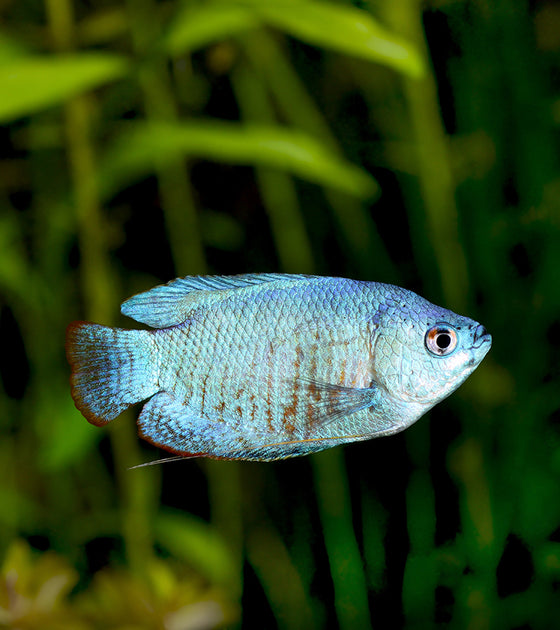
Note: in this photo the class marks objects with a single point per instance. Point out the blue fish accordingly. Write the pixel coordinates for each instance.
(270, 366)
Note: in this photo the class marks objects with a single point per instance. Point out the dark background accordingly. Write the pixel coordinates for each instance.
(415, 143)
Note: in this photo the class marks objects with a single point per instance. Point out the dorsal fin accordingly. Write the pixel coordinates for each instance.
(169, 304)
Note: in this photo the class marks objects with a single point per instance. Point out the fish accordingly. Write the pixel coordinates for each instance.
(268, 366)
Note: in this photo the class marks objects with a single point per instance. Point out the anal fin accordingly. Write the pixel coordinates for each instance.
(170, 425)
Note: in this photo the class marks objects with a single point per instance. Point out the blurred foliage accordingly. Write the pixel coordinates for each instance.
(33, 594)
(405, 141)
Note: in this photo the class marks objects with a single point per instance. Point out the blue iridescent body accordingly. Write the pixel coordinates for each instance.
(270, 366)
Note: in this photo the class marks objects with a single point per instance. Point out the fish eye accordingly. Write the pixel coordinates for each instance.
(441, 340)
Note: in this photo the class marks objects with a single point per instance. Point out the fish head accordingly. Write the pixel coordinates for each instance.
(422, 352)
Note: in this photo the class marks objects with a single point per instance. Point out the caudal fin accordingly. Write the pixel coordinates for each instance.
(111, 369)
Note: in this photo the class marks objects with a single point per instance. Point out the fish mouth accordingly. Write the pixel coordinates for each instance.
(481, 337)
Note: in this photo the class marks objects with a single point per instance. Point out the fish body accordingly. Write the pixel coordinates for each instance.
(270, 366)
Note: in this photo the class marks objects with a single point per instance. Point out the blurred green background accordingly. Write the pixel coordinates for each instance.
(407, 142)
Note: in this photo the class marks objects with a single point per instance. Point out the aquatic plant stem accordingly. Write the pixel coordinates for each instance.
(276, 188)
(362, 242)
(187, 250)
(173, 179)
(435, 177)
(99, 288)
(350, 590)
(279, 577)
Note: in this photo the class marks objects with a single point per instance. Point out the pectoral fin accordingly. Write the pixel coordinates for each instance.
(328, 403)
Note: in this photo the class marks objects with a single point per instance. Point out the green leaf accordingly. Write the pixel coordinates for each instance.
(30, 84)
(143, 146)
(200, 26)
(197, 543)
(345, 29)
(323, 24)
(69, 437)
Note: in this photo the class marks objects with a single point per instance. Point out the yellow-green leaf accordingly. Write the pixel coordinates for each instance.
(343, 28)
(199, 26)
(33, 83)
(143, 146)
(197, 543)
(324, 24)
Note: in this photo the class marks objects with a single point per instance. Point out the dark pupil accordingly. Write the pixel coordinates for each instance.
(443, 340)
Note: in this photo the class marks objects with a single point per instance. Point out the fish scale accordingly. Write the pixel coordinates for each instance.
(269, 366)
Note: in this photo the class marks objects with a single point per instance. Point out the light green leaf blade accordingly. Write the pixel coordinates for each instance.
(197, 543)
(33, 83)
(324, 24)
(199, 26)
(69, 437)
(343, 28)
(143, 146)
